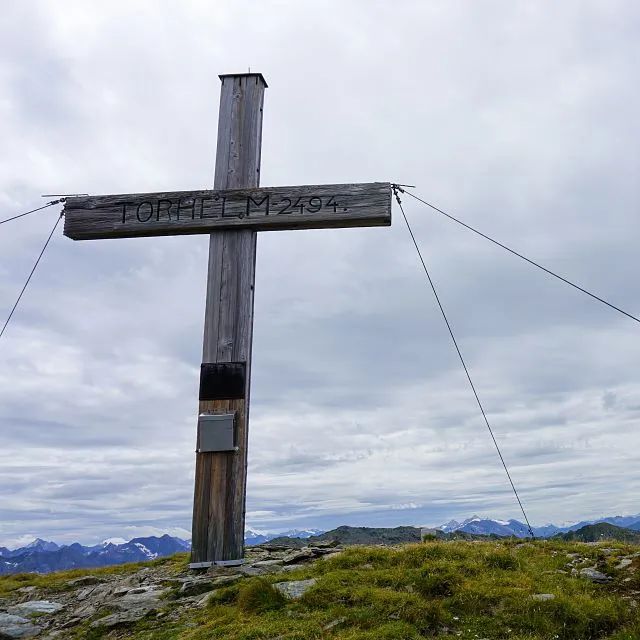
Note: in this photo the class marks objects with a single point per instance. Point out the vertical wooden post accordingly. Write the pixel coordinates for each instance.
(220, 484)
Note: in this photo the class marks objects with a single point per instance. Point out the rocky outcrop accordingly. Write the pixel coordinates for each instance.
(113, 601)
(591, 573)
(582, 566)
(12, 626)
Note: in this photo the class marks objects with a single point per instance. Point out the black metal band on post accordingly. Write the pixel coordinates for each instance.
(223, 380)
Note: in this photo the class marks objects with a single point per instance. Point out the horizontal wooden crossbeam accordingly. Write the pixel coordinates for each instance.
(189, 212)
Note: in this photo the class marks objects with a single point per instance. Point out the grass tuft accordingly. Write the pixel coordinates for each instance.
(437, 585)
(257, 595)
(226, 595)
(501, 560)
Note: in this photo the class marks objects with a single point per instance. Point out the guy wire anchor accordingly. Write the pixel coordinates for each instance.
(62, 197)
(396, 188)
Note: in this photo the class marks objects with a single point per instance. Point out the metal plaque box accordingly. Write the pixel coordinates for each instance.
(216, 432)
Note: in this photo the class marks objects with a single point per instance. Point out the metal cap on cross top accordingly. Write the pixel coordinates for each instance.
(257, 76)
(232, 213)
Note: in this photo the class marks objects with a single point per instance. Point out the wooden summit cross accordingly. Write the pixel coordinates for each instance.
(233, 212)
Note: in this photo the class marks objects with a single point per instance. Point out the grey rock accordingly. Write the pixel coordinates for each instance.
(120, 619)
(137, 578)
(333, 624)
(188, 601)
(592, 574)
(323, 551)
(247, 570)
(256, 557)
(176, 582)
(542, 597)
(294, 589)
(17, 627)
(84, 581)
(27, 590)
(325, 544)
(146, 599)
(71, 622)
(283, 569)
(624, 563)
(223, 581)
(277, 547)
(85, 610)
(196, 587)
(98, 592)
(36, 606)
(216, 571)
(298, 556)
(203, 601)
(141, 589)
(276, 562)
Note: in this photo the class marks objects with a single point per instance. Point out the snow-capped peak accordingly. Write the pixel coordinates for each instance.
(42, 545)
(146, 551)
(255, 532)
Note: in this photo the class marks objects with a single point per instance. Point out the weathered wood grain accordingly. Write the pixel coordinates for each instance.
(221, 477)
(189, 212)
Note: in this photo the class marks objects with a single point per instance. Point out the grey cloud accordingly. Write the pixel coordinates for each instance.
(520, 119)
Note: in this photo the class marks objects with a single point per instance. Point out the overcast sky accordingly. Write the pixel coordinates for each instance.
(519, 117)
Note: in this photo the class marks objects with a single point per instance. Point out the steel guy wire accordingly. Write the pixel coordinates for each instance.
(462, 360)
(519, 255)
(26, 284)
(26, 213)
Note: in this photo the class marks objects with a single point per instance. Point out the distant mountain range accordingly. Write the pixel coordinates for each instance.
(252, 538)
(505, 528)
(476, 529)
(354, 535)
(602, 531)
(42, 556)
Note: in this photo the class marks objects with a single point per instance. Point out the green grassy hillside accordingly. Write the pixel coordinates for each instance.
(446, 589)
(603, 531)
(357, 535)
